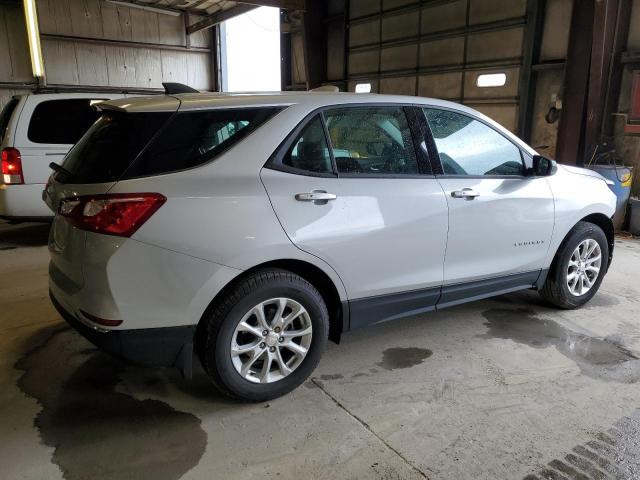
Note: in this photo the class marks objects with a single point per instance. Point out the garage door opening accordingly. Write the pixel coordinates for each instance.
(250, 51)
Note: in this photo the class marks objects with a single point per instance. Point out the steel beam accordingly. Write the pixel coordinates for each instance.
(605, 18)
(282, 4)
(219, 17)
(124, 43)
(570, 145)
(530, 56)
(315, 44)
(617, 67)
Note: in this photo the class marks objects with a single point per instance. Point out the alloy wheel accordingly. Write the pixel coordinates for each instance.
(584, 267)
(271, 340)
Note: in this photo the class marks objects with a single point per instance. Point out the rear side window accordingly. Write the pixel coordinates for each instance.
(110, 145)
(5, 116)
(193, 138)
(62, 121)
(371, 140)
(309, 151)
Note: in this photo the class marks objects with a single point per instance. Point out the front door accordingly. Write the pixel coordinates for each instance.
(350, 187)
(500, 221)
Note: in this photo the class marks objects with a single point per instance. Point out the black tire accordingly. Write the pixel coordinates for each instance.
(218, 325)
(555, 289)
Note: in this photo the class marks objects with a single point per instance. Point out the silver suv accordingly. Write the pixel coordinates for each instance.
(249, 229)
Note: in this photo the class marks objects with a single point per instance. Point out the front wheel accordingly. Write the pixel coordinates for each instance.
(579, 267)
(265, 336)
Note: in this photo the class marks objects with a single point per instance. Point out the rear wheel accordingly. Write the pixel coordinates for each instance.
(579, 267)
(265, 336)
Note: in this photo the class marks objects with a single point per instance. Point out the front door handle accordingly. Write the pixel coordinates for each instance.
(318, 197)
(466, 193)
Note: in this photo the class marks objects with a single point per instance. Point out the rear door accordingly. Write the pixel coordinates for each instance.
(353, 187)
(500, 220)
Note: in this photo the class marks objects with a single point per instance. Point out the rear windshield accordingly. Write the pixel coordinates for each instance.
(62, 122)
(111, 144)
(5, 116)
(124, 145)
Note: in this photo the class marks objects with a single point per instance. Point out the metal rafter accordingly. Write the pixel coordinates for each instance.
(283, 4)
(242, 6)
(219, 17)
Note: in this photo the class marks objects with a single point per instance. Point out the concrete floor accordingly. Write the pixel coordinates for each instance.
(505, 388)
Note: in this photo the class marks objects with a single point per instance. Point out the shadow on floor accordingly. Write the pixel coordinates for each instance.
(23, 235)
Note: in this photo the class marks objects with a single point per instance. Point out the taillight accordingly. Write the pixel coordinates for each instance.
(12, 166)
(118, 214)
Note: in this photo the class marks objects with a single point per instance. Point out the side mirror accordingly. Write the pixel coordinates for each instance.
(542, 167)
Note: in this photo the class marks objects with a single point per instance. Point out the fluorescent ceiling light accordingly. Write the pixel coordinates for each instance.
(491, 80)
(35, 51)
(363, 88)
(173, 13)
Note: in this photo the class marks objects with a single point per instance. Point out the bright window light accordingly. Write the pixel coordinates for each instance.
(251, 60)
(491, 80)
(363, 88)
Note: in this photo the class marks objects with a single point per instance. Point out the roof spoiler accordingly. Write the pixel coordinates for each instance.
(171, 88)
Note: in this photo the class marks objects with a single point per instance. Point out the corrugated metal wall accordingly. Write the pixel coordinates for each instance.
(433, 48)
(92, 43)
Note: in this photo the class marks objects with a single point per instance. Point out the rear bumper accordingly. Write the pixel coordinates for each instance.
(23, 202)
(166, 346)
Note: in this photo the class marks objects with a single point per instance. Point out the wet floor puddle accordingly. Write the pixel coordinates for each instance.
(97, 431)
(598, 358)
(398, 358)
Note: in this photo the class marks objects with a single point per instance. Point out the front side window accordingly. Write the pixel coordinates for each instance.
(469, 147)
(62, 122)
(371, 140)
(309, 151)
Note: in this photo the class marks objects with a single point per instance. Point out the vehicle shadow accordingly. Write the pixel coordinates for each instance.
(23, 235)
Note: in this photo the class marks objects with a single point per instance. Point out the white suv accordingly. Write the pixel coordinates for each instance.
(251, 228)
(36, 130)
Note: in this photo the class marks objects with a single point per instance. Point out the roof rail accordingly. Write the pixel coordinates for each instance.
(171, 88)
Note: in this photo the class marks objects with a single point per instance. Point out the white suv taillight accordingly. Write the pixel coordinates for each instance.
(119, 214)
(12, 166)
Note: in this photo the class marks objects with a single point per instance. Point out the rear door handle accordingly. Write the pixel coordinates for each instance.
(465, 193)
(319, 197)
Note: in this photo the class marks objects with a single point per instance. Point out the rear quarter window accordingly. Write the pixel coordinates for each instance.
(124, 145)
(62, 122)
(194, 138)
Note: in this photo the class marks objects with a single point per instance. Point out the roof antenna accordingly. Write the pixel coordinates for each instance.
(171, 88)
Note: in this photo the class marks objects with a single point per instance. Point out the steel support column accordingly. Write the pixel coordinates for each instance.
(530, 57)
(570, 146)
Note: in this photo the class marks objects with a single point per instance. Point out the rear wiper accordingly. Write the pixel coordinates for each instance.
(60, 169)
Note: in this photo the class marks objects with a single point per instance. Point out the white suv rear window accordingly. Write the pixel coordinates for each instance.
(62, 122)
